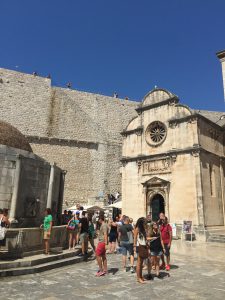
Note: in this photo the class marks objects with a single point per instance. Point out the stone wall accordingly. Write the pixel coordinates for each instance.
(24, 101)
(212, 179)
(79, 131)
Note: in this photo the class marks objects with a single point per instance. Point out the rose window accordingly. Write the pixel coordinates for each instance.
(155, 133)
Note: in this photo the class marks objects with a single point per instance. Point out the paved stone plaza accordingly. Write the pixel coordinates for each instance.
(198, 272)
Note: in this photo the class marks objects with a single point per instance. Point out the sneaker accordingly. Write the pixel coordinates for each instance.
(162, 267)
(81, 254)
(132, 270)
(167, 267)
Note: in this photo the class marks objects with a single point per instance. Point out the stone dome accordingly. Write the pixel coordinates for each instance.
(12, 137)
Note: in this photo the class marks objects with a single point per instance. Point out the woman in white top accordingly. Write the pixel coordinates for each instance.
(140, 237)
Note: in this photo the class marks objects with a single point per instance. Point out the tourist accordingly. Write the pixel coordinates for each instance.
(70, 215)
(4, 223)
(78, 232)
(83, 234)
(91, 232)
(72, 228)
(47, 226)
(112, 236)
(131, 242)
(161, 218)
(156, 246)
(166, 233)
(140, 239)
(65, 217)
(117, 196)
(124, 243)
(101, 248)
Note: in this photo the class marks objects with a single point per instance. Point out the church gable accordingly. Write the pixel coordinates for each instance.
(158, 95)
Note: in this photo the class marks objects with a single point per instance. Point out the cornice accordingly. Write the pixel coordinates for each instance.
(60, 141)
(137, 130)
(172, 154)
(172, 100)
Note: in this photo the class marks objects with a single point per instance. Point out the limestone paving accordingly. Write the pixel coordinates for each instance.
(197, 272)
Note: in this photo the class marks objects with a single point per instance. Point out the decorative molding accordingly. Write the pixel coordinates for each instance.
(138, 131)
(139, 164)
(172, 124)
(141, 108)
(193, 119)
(160, 166)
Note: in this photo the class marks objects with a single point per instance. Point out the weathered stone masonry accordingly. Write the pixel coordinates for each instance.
(79, 131)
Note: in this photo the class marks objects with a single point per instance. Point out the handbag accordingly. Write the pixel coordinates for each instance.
(143, 251)
(2, 231)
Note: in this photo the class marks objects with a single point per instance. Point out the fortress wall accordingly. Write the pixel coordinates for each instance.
(24, 101)
(88, 124)
(87, 116)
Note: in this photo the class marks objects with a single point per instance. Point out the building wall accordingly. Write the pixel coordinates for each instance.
(86, 125)
(212, 189)
(171, 168)
(181, 203)
(181, 136)
(211, 137)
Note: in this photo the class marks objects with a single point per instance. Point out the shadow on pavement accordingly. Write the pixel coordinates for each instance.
(113, 271)
(174, 267)
(162, 275)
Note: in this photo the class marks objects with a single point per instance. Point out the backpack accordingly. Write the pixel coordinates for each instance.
(2, 231)
(71, 225)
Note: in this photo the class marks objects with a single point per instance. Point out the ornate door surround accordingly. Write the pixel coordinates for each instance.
(153, 187)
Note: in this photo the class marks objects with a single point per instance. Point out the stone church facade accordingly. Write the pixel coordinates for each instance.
(174, 162)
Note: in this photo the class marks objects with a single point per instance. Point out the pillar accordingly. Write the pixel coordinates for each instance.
(50, 186)
(14, 200)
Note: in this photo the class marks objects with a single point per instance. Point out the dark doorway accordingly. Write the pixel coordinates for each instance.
(157, 206)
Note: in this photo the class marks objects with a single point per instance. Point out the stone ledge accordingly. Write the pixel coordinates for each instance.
(41, 263)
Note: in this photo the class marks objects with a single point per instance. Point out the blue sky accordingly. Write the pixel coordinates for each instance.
(128, 46)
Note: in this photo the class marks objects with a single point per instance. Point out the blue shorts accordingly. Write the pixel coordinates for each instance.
(127, 247)
(156, 253)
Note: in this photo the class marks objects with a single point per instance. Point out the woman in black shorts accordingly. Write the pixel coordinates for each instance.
(112, 236)
(156, 246)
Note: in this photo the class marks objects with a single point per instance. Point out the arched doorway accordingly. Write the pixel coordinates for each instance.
(157, 206)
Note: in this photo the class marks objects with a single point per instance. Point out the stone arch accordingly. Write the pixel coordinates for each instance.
(156, 203)
(156, 186)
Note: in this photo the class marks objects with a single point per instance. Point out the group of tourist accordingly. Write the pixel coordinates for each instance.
(149, 240)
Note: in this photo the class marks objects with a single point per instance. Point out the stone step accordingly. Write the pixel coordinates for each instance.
(43, 266)
(216, 240)
(37, 259)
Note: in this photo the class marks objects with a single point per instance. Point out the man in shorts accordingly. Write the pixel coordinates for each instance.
(126, 239)
(84, 226)
(166, 233)
(100, 251)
